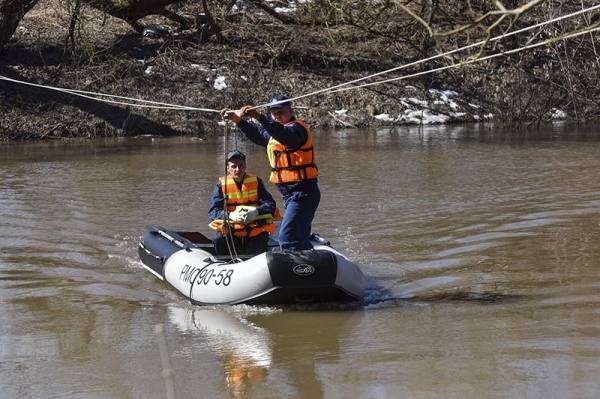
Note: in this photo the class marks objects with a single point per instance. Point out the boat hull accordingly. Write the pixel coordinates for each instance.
(273, 277)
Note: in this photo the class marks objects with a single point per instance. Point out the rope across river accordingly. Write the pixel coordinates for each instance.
(142, 103)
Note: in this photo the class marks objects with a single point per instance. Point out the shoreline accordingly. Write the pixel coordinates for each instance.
(524, 90)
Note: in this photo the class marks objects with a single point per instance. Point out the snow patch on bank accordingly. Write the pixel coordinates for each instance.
(385, 118)
(276, 5)
(199, 67)
(420, 108)
(291, 7)
(220, 83)
(558, 114)
(433, 107)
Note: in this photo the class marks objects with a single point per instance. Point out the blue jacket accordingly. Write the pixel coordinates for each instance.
(266, 203)
(292, 136)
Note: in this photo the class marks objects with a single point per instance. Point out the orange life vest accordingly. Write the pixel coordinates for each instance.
(290, 166)
(247, 195)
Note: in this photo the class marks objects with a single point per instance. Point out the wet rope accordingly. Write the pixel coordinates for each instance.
(228, 233)
(91, 94)
(584, 31)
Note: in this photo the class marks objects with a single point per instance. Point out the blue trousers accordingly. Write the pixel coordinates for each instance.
(300, 208)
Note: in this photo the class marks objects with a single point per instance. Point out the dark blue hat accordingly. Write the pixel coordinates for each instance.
(285, 102)
(236, 154)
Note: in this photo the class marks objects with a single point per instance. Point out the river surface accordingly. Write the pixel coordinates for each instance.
(481, 250)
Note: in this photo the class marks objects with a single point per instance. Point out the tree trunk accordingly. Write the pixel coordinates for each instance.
(11, 13)
(132, 10)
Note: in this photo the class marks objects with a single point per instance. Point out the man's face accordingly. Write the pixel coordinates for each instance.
(236, 168)
(282, 115)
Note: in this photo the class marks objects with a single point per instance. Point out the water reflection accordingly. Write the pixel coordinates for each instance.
(260, 348)
(243, 347)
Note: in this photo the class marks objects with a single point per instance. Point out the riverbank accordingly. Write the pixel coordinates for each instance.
(249, 64)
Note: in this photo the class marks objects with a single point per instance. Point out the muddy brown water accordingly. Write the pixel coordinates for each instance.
(480, 247)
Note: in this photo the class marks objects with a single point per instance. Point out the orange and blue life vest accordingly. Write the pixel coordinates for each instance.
(245, 195)
(291, 166)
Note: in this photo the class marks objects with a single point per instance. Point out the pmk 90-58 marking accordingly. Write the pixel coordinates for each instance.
(205, 276)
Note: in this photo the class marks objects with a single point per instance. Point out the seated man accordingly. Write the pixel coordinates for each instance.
(250, 210)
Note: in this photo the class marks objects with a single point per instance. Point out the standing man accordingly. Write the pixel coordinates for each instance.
(250, 209)
(289, 145)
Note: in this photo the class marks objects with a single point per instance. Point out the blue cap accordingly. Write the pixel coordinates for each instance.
(286, 102)
(236, 154)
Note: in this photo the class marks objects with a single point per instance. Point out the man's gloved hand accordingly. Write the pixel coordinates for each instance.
(249, 216)
(247, 110)
(226, 113)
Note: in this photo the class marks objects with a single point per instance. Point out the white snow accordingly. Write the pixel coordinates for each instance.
(220, 83)
(418, 102)
(200, 67)
(415, 116)
(384, 117)
(429, 118)
(439, 108)
(444, 96)
(341, 112)
(558, 114)
(291, 8)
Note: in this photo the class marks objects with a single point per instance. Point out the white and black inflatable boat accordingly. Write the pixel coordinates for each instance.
(187, 262)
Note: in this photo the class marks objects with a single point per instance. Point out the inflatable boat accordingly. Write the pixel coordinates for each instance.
(187, 262)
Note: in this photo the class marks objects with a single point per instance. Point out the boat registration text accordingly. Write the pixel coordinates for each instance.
(206, 275)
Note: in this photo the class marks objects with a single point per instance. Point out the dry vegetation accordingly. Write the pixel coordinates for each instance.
(260, 51)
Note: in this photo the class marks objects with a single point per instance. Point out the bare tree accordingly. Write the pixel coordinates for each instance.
(132, 11)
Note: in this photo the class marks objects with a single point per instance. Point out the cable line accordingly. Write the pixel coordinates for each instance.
(468, 62)
(496, 38)
(90, 95)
